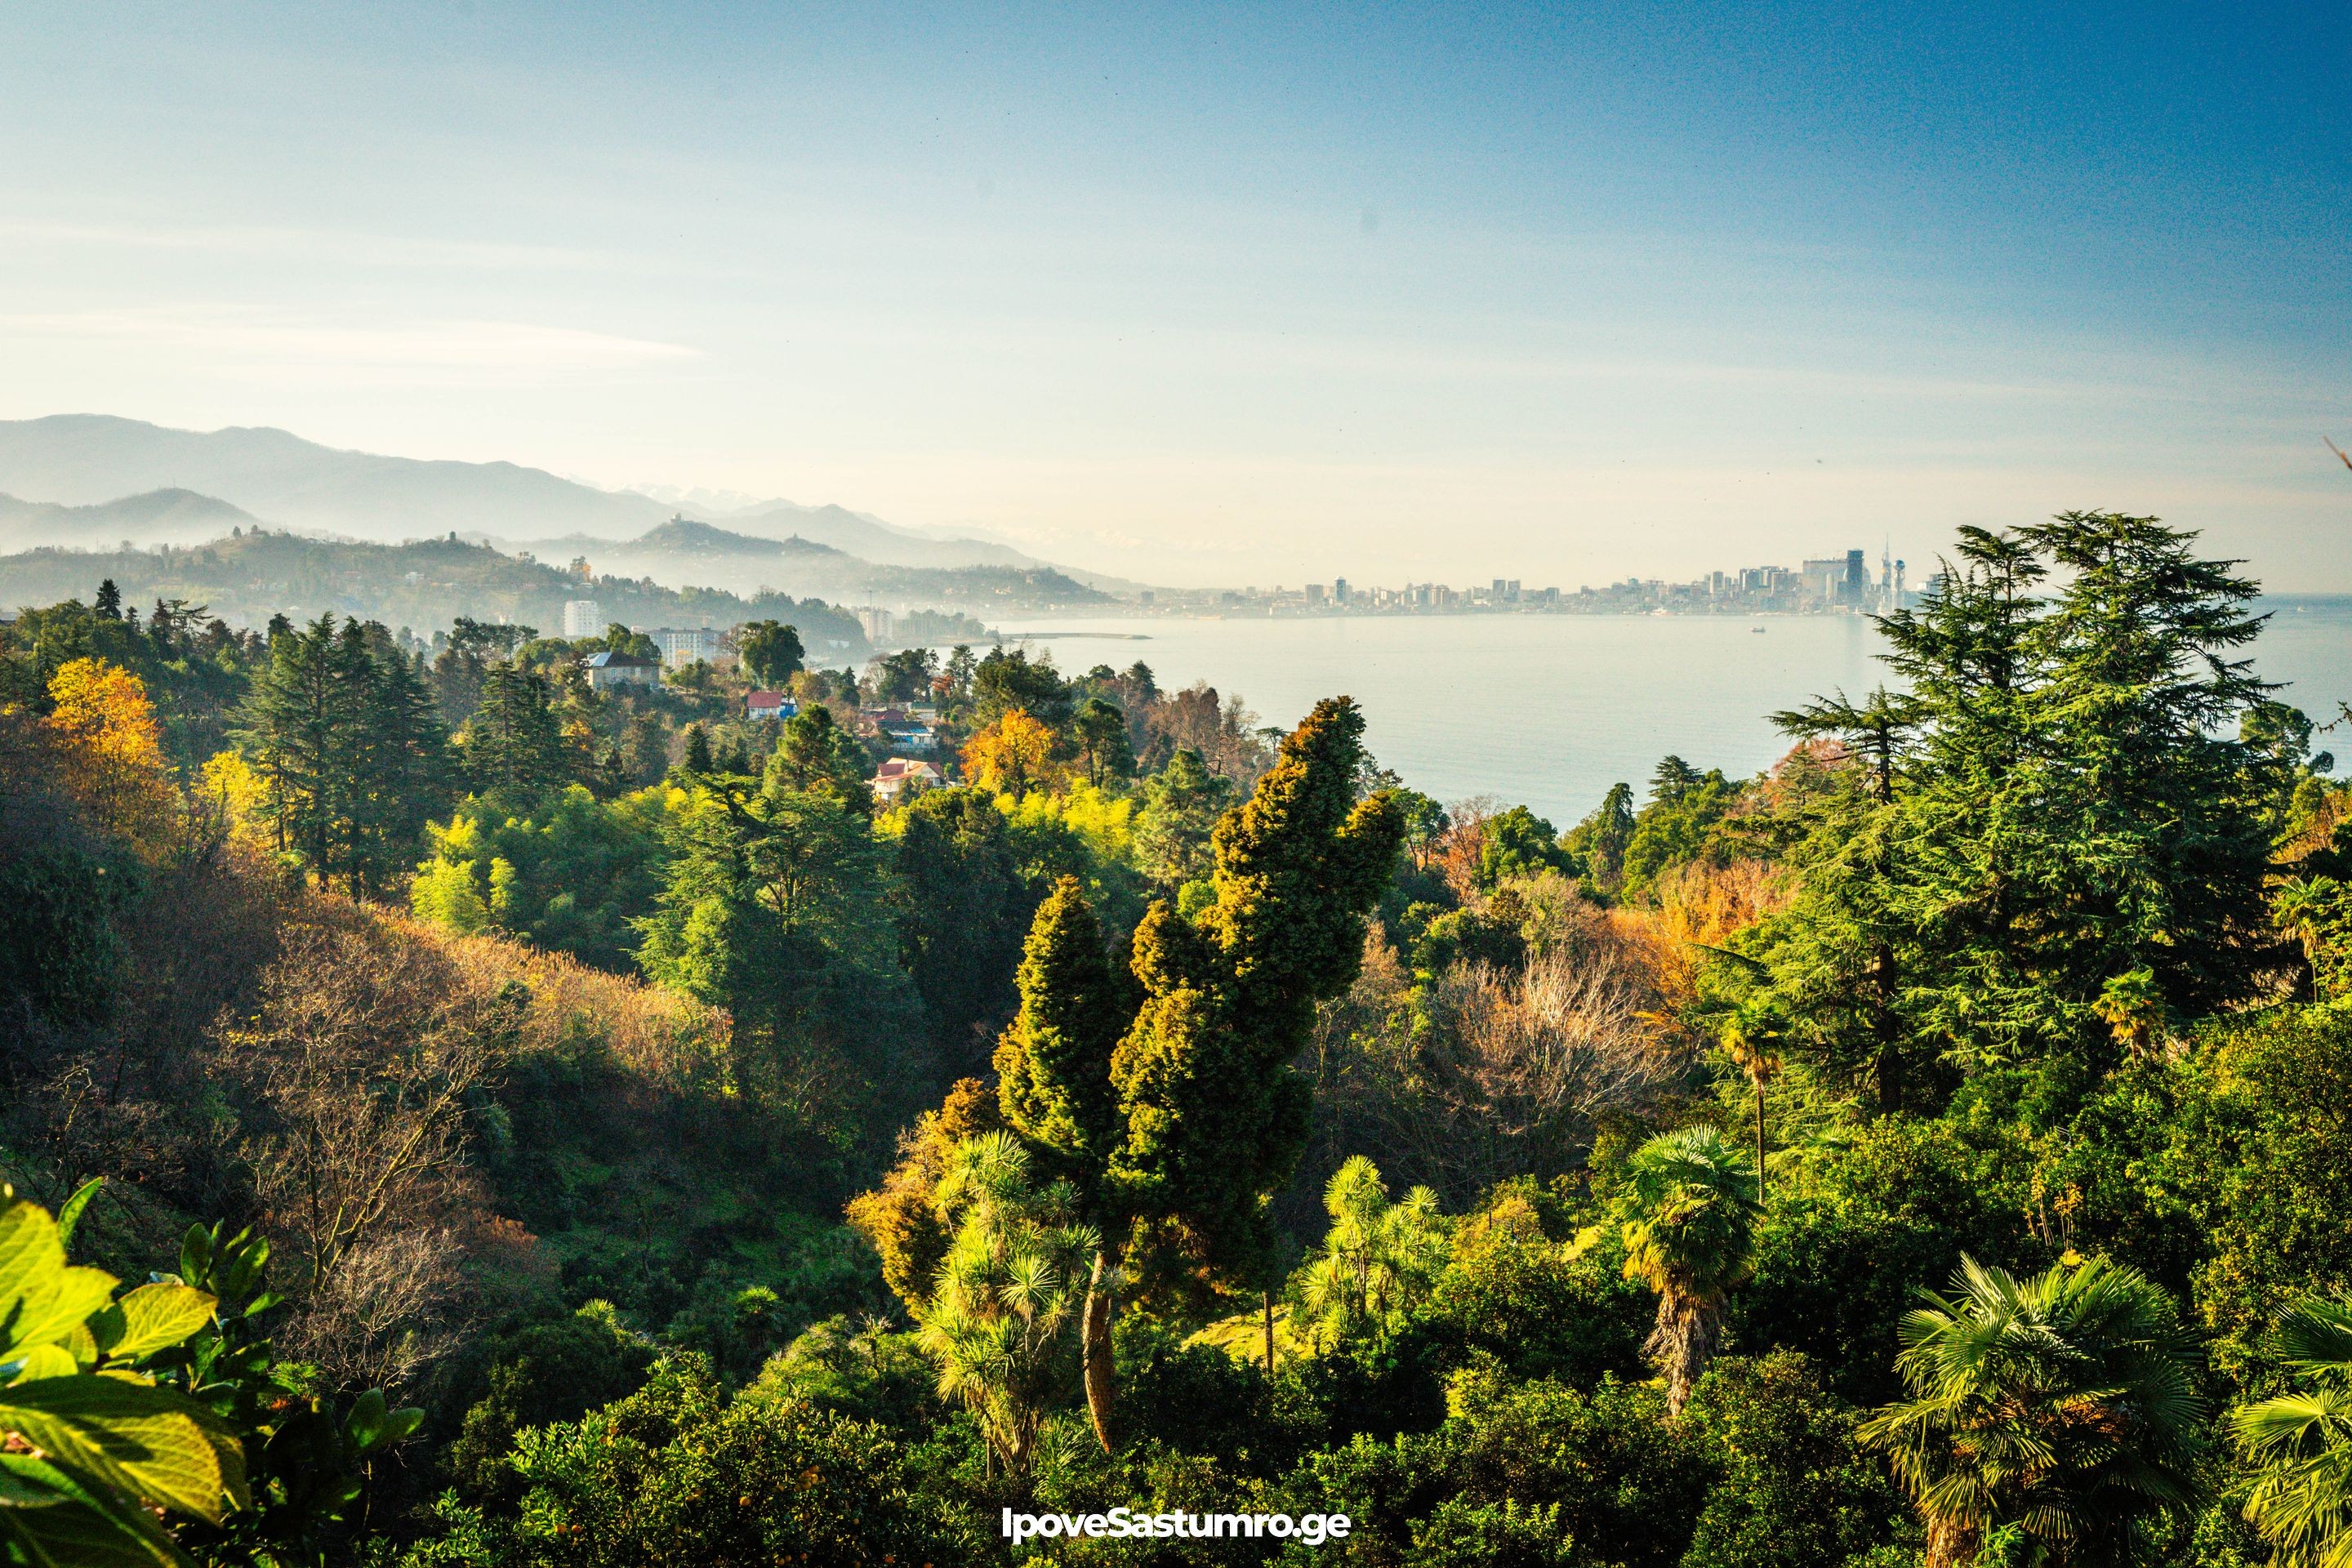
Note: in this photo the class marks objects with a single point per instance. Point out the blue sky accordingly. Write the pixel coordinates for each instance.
(1259, 294)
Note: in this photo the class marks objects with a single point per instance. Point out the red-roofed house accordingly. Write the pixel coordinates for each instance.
(769, 705)
(900, 774)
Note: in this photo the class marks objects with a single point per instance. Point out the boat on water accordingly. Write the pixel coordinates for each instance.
(1758, 630)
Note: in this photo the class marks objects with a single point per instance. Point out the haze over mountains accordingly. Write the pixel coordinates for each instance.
(157, 517)
(94, 479)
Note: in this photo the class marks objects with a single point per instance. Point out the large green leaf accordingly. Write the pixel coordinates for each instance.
(56, 1522)
(46, 1361)
(48, 1315)
(154, 1316)
(31, 1256)
(70, 1212)
(146, 1441)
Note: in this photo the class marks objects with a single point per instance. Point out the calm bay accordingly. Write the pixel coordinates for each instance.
(1549, 711)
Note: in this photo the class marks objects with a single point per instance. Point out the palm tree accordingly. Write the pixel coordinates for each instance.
(1380, 1257)
(2300, 1444)
(2056, 1410)
(1009, 1293)
(1691, 1238)
(1751, 1036)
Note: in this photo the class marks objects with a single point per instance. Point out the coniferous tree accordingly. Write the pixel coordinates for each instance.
(1054, 1074)
(1215, 1116)
(297, 723)
(2058, 801)
(816, 753)
(514, 741)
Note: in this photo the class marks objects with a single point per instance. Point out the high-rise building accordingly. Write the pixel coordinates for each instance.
(583, 618)
(879, 625)
(681, 646)
(1339, 590)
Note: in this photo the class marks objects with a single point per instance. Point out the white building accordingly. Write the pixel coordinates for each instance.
(583, 618)
(606, 670)
(681, 646)
(878, 624)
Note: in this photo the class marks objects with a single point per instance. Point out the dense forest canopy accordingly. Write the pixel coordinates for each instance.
(561, 1126)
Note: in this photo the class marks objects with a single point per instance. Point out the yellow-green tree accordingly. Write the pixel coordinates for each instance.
(1012, 756)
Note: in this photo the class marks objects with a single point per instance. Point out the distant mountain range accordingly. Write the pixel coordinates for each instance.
(700, 554)
(158, 517)
(99, 471)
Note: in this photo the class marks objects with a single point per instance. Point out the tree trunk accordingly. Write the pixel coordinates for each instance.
(1759, 1140)
(1882, 1020)
(1951, 1543)
(1268, 1296)
(1093, 1348)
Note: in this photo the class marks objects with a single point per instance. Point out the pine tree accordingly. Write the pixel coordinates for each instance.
(514, 742)
(294, 730)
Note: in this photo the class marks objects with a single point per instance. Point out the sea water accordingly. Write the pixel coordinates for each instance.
(1549, 711)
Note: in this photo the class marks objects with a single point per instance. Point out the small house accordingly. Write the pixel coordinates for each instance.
(774, 706)
(607, 671)
(900, 774)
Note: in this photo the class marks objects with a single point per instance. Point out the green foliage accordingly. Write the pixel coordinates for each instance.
(2298, 1444)
(1008, 679)
(60, 950)
(961, 900)
(1215, 1116)
(2060, 1409)
(773, 909)
(1098, 735)
(308, 1460)
(573, 875)
(1689, 1236)
(771, 652)
(816, 756)
(1598, 844)
(97, 1442)
(1182, 804)
(867, 1372)
(552, 1370)
(1627, 1486)
(1379, 1261)
(2255, 1150)
(1678, 824)
(1054, 1064)
(2056, 805)
(344, 735)
(1001, 1318)
(1520, 1291)
(1519, 843)
(679, 1474)
(513, 744)
(1794, 1487)
(1493, 933)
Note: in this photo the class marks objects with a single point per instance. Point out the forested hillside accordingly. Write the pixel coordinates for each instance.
(257, 574)
(665, 1136)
